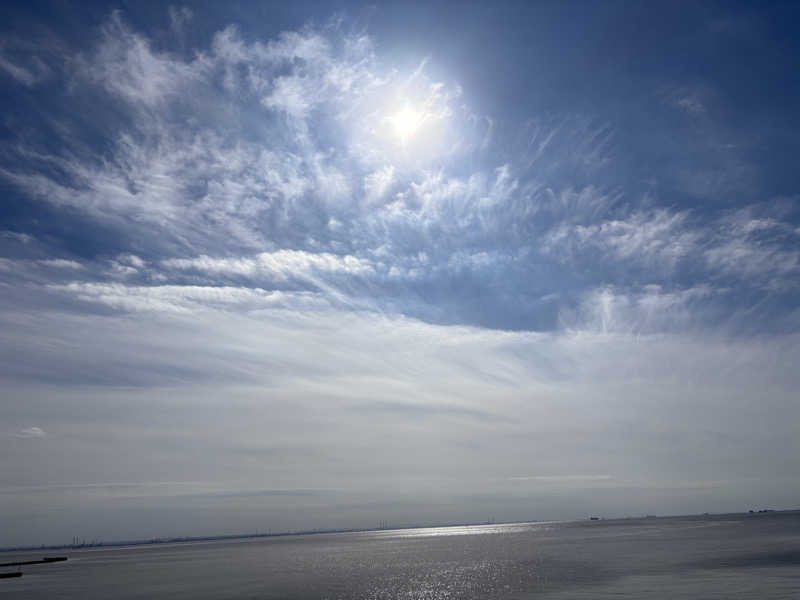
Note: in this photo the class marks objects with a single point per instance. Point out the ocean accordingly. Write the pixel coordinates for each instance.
(728, 556)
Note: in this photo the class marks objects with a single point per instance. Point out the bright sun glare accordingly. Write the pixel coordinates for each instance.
(406, 122)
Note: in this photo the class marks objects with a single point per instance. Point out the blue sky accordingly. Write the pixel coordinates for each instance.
(323, 265)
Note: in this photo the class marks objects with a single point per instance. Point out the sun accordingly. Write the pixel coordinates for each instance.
(406, 123)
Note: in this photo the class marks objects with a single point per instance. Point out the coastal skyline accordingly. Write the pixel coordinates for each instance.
(324, 265)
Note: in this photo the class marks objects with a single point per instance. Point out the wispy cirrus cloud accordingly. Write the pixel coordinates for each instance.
(756, 244)
(17, 236)
(219, 194)
(126, 65)
(647, 310)
(658, 239)
(224, 259)
(279, 265)
(216, 180)
(187, 298)
(23, 61)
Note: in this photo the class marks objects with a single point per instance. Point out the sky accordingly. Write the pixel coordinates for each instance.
(272, 266)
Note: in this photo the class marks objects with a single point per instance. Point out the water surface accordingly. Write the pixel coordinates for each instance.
(733, 556)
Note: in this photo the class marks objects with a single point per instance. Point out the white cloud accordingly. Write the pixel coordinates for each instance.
(376, 184)
(465, 207)
(19, 73)
(179, 18)
(61, 263)
(259, 165)
(690, 100)
(188, 298)
(319, 70)
(650, 309)
(749, 259)
(32, 269)
(751, 244)
(691, 105)
(126, 66)
(573, 140)
(30, 433)
(151, 187)
(243, 178)
(126, 265)
(279, 265)
(18, 236)
(132, 260)
(416, 399)
(21, 60)
(658, 238)
(747, 244)
(10, 265)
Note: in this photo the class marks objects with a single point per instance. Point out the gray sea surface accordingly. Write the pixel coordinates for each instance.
(729, 556)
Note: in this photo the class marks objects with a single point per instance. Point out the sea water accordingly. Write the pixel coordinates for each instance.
(733, 556)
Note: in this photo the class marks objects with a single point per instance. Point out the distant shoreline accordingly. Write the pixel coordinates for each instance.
(246, 536)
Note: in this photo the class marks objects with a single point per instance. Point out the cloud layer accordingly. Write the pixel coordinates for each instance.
(229, 281)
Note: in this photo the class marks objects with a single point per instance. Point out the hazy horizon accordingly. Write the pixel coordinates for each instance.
(423, 529)
(322, 265)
